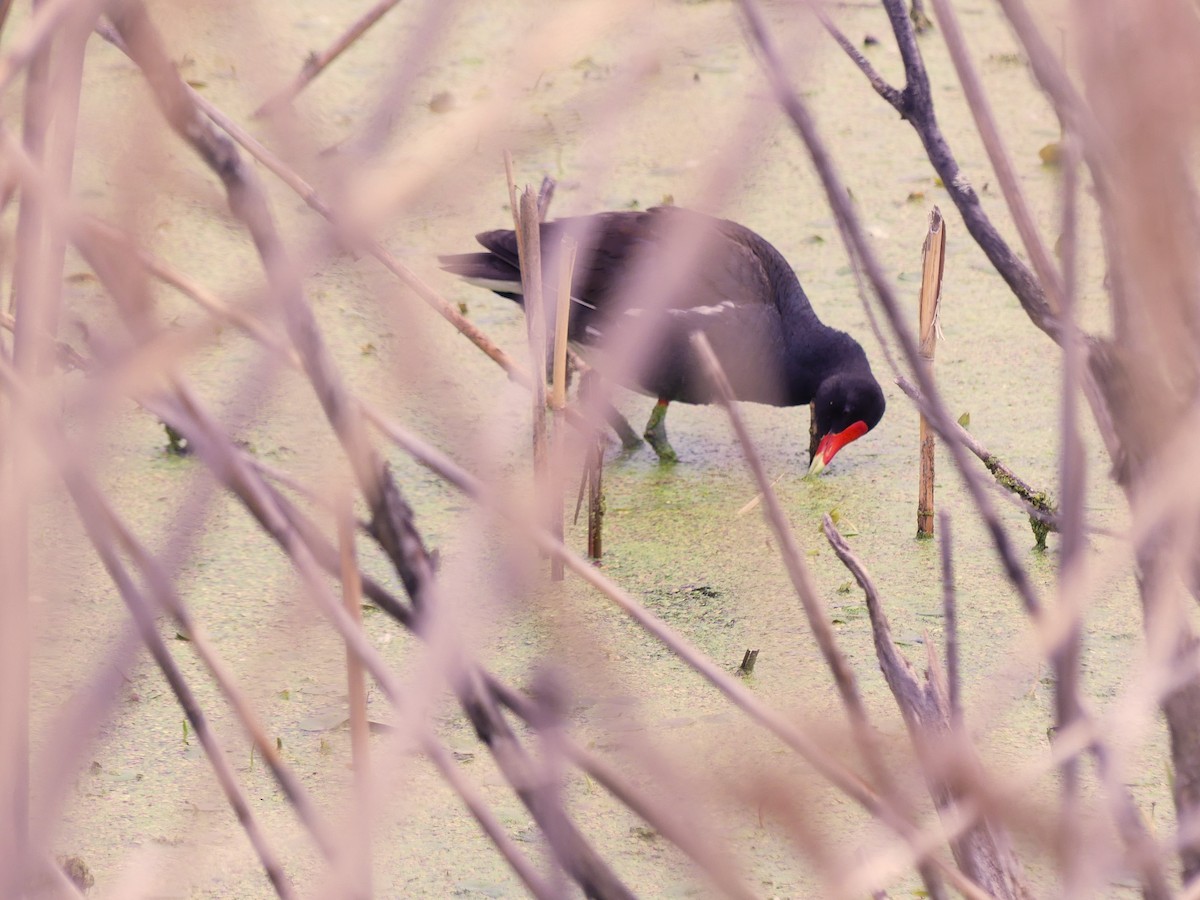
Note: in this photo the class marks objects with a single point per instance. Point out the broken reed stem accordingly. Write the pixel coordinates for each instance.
(596, 499)
(558, 398)
(530, 252)
(566, 269)
(316, 63)
(591, 393)
(934, 258)
(360, 750)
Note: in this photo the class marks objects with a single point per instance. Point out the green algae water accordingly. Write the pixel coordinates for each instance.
(679, 538)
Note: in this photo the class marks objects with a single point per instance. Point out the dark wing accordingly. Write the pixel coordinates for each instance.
(723, 262)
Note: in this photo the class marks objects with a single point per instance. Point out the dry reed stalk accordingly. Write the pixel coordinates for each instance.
(595, 488)
(50, 111)
(535, 318)
(360, 747)
(933, 263)
(558, 398)
(528, 225)
(562, 318)
(316, 63)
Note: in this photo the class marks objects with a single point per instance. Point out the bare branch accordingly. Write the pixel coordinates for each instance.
(1050, 278)
(984, 852)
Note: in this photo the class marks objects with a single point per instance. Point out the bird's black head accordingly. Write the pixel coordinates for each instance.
(847, 406)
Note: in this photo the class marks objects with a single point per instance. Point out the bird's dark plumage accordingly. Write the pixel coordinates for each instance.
(660, 275)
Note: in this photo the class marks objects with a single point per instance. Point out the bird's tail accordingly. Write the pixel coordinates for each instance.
(485, 270)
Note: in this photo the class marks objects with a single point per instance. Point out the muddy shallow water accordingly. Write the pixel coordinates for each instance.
(146, 805)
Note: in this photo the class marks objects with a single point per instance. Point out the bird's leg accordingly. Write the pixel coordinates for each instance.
(592, 390)
(656, 433)
(629, 438)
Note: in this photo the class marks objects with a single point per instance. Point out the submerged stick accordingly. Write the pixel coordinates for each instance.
(934, 253)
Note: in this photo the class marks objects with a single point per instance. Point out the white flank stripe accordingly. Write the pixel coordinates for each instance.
(707, 310)
(495, 284)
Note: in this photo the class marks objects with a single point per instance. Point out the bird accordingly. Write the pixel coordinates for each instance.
(661, 274)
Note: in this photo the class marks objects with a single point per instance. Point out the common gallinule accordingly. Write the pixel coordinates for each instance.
(634, 279)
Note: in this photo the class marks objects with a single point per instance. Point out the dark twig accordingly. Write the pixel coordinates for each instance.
(985, 122)
(915, 104)
(917, 107)
(894, 98)
(317, 62)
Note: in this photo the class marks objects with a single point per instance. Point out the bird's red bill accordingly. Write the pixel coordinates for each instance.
(832, 443)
